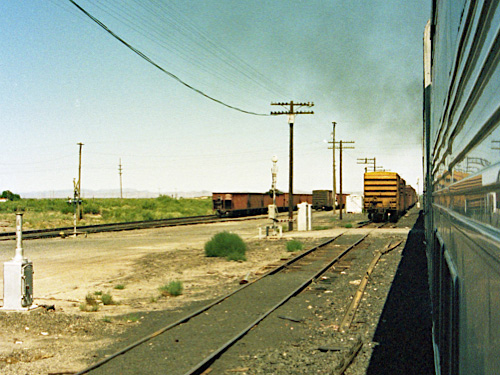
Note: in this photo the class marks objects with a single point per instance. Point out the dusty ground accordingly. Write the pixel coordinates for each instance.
(66, 270)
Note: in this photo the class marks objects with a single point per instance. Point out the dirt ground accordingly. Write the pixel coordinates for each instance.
(130, 266)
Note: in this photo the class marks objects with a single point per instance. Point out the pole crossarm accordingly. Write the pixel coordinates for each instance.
(368, 161)
(291, 110)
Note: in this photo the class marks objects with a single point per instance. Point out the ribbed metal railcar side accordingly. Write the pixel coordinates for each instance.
(384, 194)
(322, 200)
(462, 187)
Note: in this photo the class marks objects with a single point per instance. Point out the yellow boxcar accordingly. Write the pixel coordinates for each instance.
(384, 196)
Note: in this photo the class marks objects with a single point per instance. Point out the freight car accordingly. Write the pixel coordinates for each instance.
(462, 183)
(322, 200)
(386, 196)
(247, 204)
(410, 197)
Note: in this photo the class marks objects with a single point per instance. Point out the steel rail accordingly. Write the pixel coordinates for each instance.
(204, 308)
(111, 227)
(203, 365)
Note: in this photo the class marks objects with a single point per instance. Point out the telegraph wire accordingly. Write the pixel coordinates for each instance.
(198, 42)
(146, 58)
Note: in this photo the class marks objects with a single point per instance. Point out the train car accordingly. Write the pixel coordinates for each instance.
(239, 204)
(322, 200)
(384, 194)
(462, 183)
(410, 197)
(247, 204)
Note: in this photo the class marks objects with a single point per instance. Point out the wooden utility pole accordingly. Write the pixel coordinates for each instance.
(120, 173)
(79, 212)
(291, 119)
(341, 148)
(334, 191)
(368, 161)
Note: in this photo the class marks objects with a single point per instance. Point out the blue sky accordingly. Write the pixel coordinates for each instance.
(64, 80)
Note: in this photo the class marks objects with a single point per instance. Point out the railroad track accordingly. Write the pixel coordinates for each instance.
(114, 227)
(206, 334)
(371, 224)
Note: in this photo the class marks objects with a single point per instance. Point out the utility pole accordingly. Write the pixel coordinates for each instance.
(368, 161)
(334, 171)
(341, 148)
(79, 213)
(291, 119)
(120, 173)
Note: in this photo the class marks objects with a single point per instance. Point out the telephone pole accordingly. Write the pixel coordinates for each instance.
(79, 184)
(120, 173)
(291, 112)
(368, 161)
(341, 148)
(334, 171)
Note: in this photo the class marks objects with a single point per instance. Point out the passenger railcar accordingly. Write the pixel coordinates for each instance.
(462, 183)
(247, 204)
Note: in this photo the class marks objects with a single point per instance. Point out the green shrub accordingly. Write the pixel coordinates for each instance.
(91, 208)
(107, 299)
(348, 225)
(90, 304)
(173, 288)
(120, 286)
(227, 245)
(294, 245)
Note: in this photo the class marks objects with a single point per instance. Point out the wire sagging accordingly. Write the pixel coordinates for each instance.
(149, 60)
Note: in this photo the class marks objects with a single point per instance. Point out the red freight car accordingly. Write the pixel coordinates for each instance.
(245, 204)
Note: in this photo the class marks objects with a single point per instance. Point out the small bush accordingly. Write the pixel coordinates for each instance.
(294, 245)
(107, 299)
(348, 225)
(90, 304)
(120, 286)
(227, 245)
(173, 288)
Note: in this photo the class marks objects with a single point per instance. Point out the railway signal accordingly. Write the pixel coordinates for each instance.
(291, 113)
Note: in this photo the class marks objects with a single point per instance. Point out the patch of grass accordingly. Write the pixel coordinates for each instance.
(348, 225)
(98, 293)
(52, 213)
(107, 299)
(173, 288)
(322, 227)
(294, 245)
(226, 245)
(120, 286)
(131, 318)
(106, 319)
(91, 304)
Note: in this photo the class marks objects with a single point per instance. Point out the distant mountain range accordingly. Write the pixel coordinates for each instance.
(113, 193)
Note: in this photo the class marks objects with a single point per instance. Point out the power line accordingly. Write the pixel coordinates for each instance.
(149, 60)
